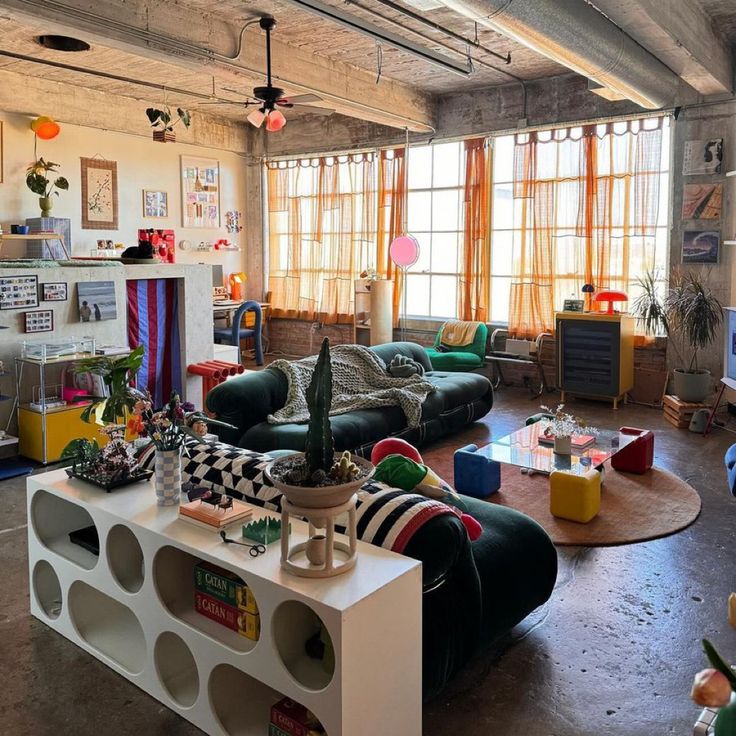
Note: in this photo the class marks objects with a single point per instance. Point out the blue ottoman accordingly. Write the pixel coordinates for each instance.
(475, 474)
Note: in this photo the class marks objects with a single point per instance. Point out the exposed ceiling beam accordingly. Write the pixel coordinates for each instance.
(167, 32)
(681, 35)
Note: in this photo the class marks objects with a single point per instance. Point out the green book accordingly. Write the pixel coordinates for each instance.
(217, 582)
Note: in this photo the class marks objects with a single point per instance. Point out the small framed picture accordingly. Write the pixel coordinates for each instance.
(573, 305)
(41, 320)
(700, 246)
(17, 292)
(54, 291)
(155, 203)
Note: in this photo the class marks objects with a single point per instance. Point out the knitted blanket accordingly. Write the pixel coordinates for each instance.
(359, 381)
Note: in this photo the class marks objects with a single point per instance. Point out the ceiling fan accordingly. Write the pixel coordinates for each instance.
(269, 98)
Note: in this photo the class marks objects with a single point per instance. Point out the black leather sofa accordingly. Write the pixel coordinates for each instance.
(247, 400)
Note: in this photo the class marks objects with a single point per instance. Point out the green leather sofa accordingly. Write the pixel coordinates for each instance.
(462, 358)
(247, 400)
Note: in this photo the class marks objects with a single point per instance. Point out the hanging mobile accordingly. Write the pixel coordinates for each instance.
(255, 549)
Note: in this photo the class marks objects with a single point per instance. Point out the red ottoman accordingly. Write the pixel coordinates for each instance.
(638, 455)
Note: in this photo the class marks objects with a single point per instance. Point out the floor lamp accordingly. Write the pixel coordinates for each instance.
(404, 252)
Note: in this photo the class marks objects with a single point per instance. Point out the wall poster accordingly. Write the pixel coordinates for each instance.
(200, 192)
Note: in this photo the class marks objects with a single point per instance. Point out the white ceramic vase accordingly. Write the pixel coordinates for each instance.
(167, 477)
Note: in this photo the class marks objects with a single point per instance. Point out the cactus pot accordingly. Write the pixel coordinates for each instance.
(317, 497)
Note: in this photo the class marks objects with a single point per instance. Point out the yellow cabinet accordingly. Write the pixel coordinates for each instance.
(63, 425)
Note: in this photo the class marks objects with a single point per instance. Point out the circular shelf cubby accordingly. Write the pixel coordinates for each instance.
(173, 579)
(107, 626)
(293, 624)
(176, 669)
(125, 557)
(54, 518)
(47, 589)
(241, 704)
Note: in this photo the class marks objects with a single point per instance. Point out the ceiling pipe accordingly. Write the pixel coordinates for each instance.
(573, 33)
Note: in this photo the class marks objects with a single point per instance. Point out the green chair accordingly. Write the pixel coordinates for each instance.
(459, 358)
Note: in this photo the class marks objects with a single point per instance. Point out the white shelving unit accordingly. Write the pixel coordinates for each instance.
(133, 609)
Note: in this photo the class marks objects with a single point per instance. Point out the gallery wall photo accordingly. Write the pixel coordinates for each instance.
(701, 246)
(96, 301)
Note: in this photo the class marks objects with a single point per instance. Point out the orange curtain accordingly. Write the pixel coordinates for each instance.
(391, 218)
(475, 258)
(588, 200)
(322, 234)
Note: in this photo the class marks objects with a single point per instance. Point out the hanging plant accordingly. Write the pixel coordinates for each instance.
(163, 122)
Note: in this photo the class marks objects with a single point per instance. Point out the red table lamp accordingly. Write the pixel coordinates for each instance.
(611, 296)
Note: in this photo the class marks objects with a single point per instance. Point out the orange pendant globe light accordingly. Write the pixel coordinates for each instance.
(45, 127)
(275, 121)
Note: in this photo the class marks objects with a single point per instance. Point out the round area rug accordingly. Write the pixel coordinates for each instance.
(634, 508)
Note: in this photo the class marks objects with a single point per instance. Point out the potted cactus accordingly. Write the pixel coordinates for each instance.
(319, 477)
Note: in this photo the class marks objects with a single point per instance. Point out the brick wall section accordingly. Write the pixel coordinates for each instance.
(297, 337)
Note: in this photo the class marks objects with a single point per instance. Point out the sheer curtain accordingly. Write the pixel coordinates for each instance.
(391, 218)
(475, 255)
(587, 199)
(322, 234)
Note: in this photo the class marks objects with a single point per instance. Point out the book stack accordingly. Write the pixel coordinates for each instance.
(222, 596)
(579, 441)
(289, 718)
(211, 516)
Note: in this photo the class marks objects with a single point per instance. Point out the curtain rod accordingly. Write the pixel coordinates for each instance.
(431, 138)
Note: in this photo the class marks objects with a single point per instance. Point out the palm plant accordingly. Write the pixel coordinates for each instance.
(694, 313)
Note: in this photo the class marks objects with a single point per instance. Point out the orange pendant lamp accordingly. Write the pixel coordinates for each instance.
(45, 127)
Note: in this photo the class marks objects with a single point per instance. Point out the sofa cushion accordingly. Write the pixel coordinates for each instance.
(453, 361)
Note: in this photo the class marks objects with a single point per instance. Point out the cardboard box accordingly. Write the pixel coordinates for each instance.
(293, 719)
(225, 586)
(246, 624)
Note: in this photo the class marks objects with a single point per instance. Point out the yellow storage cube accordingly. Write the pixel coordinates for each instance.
(575, 497)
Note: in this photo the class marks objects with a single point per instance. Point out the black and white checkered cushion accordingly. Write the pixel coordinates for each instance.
(387, 517)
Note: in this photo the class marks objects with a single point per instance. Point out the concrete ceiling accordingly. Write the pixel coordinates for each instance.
(312, 54)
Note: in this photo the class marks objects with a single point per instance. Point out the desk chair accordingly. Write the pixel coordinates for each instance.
(233, 335)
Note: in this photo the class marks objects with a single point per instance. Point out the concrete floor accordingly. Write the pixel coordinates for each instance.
(613, 652)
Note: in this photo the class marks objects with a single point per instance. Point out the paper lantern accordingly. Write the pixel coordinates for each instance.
(404, 251)
(45, 128)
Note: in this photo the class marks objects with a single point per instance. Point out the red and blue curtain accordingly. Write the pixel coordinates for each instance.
(153, 322)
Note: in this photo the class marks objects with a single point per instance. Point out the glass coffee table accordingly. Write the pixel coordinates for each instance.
(522, 448)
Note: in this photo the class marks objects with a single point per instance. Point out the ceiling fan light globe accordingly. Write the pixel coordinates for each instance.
(257, 117)
(275, 121)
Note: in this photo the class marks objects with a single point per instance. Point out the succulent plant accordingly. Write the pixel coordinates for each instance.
(320, 445)
(344, 470)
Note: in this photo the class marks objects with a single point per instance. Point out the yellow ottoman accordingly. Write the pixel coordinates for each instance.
(575, 497)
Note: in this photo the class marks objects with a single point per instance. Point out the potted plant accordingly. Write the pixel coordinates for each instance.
(161, 121)
(117, 373)
(694, 316)
(37, 180)
(319, 478)
(562, 427)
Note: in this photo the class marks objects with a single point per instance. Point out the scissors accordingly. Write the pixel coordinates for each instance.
(254, 549)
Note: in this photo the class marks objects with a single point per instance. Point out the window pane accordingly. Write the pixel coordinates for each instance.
(446, 210)
(503, 159)
(446, 166)
(417, 295)
(503, 207)
(420, 167)
(444, 253)
(444, 296)
(502, 252)
(420, 211)
(500, 290)
(425, 252)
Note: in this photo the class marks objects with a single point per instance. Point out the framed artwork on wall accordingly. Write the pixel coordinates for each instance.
(17, 292)
(701, 246)
(155, 203)
(703, 157)
(96, 301)
(200, 192)
(99, 194)
(2, 165)
(702, 201)
(39, 321)
(55, 291)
